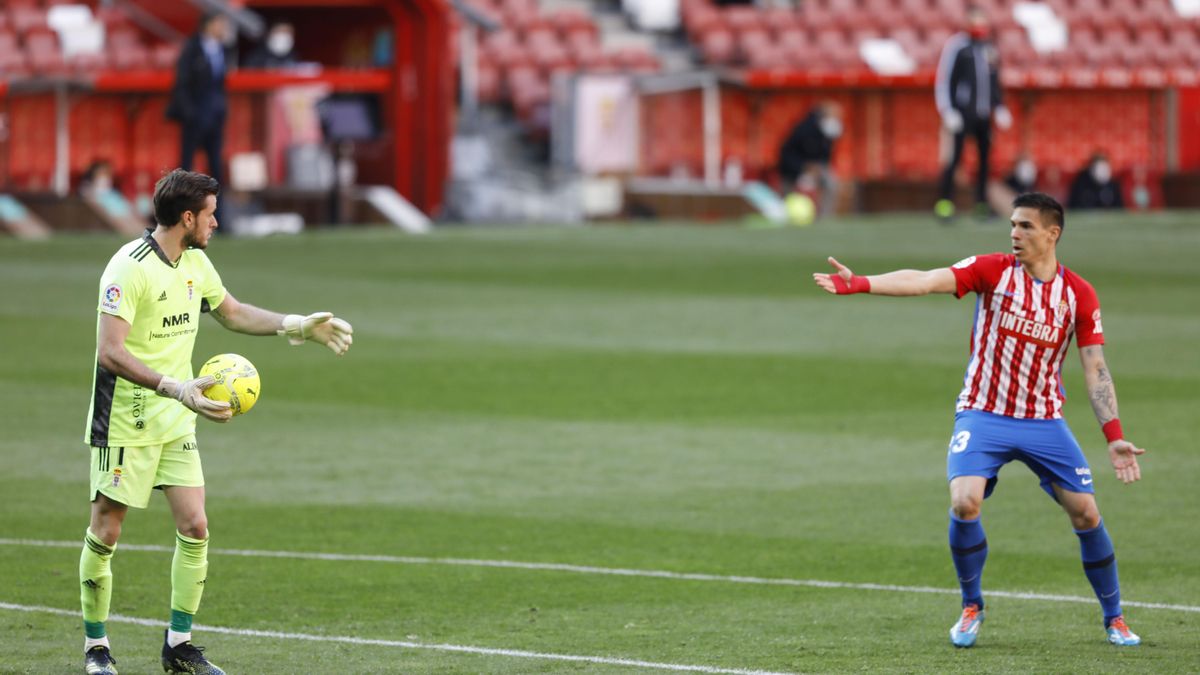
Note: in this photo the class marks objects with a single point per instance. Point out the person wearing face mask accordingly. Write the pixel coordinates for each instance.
(968, 96)
(1023, 177)
(806, 154)
(198, 99)
(277, 50)
(1094, 186)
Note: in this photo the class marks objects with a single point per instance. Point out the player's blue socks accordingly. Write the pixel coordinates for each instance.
(1100, 566)
(968, 549)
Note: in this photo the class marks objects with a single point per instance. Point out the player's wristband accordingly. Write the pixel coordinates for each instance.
(1112, 430)
(856, 284)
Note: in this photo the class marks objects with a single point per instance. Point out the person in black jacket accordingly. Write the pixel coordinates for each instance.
(198, 100)
(1094, 186)
(968, 96)
(277, 51)
(805, 156)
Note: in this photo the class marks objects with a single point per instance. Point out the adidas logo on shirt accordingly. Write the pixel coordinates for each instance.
(163, 296)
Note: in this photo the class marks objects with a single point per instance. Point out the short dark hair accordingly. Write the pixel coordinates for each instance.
(180, 191)
(1046, 205)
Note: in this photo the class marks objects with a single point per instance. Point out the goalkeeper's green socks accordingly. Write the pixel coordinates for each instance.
(95, 584)
(189, 570)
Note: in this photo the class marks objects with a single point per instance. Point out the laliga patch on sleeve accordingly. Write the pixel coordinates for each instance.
(1099, 329)
(964, 263)
(110, 300)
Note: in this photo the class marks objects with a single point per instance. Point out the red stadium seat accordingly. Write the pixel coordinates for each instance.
(26, 16)
(488, 83)
(541, 37)
(130, 57)
(752, 40)
(592, 57)
(121, 35)
(740, 18)
(88, 63)
(780, 19)
(703, 20)
(793, 39)
(718, 47)
(568, 19)
(45, 56)
(13, 62)
(165, 55)
(111, 15)
(551, 56)
(582, 42)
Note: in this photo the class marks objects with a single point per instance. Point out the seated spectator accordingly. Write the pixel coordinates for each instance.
(805, 156)
(1094, 187)
(1023, 177)
(97, 180)
(277, 50)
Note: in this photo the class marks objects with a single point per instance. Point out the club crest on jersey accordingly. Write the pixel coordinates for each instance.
(111, 299)
(1060, 313)
(1042, 334)
(189, 289)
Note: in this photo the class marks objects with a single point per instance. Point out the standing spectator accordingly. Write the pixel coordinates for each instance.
(198, 100)
(968, 96)
(805, 156)
(1094, 187)
(277, 51)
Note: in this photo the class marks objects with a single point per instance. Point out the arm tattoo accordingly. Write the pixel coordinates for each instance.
(1101, 391)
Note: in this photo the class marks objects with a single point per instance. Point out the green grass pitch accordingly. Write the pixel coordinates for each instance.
(667, 398)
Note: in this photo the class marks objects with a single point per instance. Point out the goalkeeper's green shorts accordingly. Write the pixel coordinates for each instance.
(127, 475)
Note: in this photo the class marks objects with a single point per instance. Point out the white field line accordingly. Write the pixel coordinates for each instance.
(609, 571)
(461, 649)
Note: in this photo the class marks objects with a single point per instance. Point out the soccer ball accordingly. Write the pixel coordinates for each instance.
(237, 381)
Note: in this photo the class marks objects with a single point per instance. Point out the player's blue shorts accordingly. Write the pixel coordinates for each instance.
(983, 442)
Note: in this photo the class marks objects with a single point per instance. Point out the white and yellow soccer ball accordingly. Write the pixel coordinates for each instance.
(237, 381)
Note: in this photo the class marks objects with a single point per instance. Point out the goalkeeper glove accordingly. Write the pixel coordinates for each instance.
(952, 120)
(321, 327)
(191, 394)
(1003, 117)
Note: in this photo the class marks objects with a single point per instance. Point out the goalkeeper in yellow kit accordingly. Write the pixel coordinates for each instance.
(142, 422)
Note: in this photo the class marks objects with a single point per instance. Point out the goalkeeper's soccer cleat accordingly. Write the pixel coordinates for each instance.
(1120, 635)
(965, 630)
(98, 661)
(187, 658)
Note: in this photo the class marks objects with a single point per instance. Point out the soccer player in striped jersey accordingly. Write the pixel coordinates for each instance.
(142, 422)
(1027, 308)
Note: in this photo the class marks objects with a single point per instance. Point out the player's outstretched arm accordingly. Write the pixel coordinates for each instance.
(113, 357)
(899, 283)
(1103, 395)
(321, 327)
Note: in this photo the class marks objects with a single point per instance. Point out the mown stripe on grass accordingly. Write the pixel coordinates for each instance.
(405, 644)
(610, 571)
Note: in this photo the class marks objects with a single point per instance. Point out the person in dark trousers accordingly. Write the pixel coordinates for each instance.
(968, 96)
(198, 101)
(806, 154)
(1094, 186)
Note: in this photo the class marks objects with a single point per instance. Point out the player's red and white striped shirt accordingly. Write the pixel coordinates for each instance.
(1022, 330)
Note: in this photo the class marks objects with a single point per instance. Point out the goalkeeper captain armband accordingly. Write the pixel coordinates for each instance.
(856, 284)
(1112, 430)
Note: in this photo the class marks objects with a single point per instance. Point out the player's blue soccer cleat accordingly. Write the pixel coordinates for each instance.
(1120, 635)
(99, 661)
(187, 658)
(965, 630)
